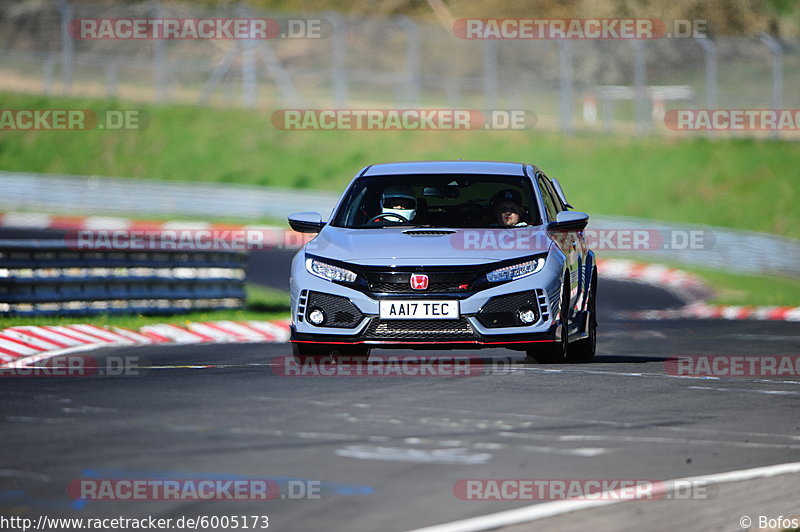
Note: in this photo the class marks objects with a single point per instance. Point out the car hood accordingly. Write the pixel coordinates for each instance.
(404, 246)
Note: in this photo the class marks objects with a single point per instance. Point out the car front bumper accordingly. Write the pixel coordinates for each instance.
(485, 315)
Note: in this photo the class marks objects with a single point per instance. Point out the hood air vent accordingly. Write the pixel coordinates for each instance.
(428, 232)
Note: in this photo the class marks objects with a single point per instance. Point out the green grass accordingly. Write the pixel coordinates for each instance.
(738, 183)
(752, 290)
(262, 304)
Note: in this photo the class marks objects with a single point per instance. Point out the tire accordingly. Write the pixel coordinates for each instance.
(352, 352)
(583, 350)
(555, 352)
(304, 351)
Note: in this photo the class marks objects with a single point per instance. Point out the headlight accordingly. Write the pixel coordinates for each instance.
(329, 271)
(516, 271)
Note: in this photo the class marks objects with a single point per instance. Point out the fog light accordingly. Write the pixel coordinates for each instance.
(526, 315)
(316, 316)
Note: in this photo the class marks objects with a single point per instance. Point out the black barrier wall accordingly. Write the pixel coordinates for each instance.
(48, 278)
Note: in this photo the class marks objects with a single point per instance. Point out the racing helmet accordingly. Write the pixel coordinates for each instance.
(399, 199)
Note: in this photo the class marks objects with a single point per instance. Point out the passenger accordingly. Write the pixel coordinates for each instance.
(507, 207)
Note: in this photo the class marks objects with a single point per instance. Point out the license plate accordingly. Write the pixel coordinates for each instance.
(419, 310)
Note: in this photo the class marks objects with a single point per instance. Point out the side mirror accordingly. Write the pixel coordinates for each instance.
(569, 221)
(306, 222)
(560, 192)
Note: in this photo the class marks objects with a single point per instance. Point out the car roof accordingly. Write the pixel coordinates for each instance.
(445, 167)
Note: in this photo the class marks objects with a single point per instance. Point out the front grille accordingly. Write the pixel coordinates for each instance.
(501, 311)
(438, 282)
(339, 311)
(379, 329)
(405, 288)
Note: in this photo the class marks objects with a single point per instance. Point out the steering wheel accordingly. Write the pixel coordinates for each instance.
(387, 214)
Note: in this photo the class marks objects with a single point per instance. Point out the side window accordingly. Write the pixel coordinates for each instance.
(556, 200)
(549, 205)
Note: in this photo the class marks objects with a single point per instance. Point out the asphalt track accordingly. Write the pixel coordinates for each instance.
(389, 450)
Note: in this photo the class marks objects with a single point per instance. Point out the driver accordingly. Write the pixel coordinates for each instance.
(398, 199)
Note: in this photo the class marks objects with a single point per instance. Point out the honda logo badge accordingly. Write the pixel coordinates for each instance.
(419, 281)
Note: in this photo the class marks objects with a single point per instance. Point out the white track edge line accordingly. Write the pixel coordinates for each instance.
(552, 509)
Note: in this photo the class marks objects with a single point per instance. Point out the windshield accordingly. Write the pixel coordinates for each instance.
(438, 200)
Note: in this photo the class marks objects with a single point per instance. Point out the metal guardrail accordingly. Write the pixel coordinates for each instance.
(147, 197)
(48, 278)
(732, 250)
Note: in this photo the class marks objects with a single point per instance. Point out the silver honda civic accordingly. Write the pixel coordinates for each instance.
(446, 254)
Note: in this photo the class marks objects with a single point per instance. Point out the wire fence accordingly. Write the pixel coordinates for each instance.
(356, 63)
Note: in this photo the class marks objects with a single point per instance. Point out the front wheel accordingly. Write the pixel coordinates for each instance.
(351, 353)
(583, 350)
(313, 354)
(555, 352)
(304, 351)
